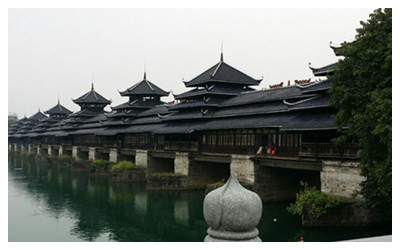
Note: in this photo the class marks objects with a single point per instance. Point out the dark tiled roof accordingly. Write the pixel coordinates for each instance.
(38, 116)
(84, 113)
(324, 71)
(159, 109)
(222, 72)
(145, 88)
(121, 114)
(337, 49)
(252, 109)
(310, 121)
(137, 104)
(92, 97)
(316, 86)
(260, 121)
(263, 96)
(58, 109)
(314, 102)
(194, 114)
(179, 128)
(211, 90)
(97, 118)
(194, 104)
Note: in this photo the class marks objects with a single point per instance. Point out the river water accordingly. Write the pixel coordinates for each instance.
(49, 203)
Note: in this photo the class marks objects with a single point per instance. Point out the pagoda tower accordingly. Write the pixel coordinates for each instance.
(143, 95)
(210, 88)
(32, 121)
(56, 114)
(92, 104)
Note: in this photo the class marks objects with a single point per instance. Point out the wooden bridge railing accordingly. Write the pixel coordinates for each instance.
(329, 150)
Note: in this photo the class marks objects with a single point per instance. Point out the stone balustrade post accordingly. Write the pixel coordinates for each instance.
(232, 213)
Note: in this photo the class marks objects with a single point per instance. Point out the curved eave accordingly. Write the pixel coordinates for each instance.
(97, 102)
(191, 107)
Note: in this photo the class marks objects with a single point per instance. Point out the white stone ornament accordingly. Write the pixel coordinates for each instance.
(233, 213)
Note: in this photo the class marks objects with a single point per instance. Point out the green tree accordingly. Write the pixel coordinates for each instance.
(362, 93)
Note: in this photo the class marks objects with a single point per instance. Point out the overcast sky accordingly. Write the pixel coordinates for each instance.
(57, 53)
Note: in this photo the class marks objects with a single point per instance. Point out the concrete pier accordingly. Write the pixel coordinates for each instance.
(243, 168)
(181, 163)
(75, 152)
(341, 179)
(113, 156)
(141, 158)
(92, 154)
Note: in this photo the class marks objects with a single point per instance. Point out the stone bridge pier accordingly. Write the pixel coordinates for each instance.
(80, 153)
(341, 179)
(183, 170)
(279, 179)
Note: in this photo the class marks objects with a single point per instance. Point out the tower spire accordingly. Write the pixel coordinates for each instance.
(92, 86)
(144, 75)
(222, 51)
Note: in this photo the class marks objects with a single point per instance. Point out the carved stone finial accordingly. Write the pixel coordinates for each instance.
(232, 212)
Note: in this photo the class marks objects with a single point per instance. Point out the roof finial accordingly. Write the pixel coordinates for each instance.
(144, 75)
(222, 51)
(92, 86)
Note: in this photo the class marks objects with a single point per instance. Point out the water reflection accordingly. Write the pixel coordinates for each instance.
(101, 209)
(49, 203)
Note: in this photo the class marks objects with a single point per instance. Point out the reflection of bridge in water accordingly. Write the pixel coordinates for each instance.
(123, 211)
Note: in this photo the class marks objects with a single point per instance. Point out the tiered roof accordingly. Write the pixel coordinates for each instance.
(58, 110)
(324, 71)
(27, 124)
(143, 96)
(92, 97)
(211, 88)
(144, 88)
(279, 108)
(222, 73)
